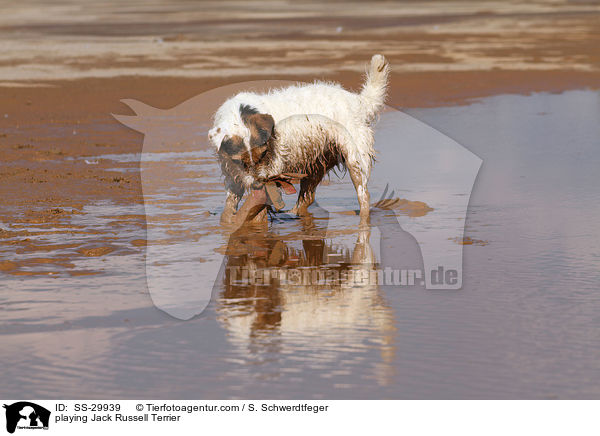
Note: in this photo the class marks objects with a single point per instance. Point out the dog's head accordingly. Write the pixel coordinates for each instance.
(243, 136)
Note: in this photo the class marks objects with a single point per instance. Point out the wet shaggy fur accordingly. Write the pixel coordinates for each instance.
(307, 129)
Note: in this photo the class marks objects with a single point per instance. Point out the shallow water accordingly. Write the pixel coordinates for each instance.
(523, 325)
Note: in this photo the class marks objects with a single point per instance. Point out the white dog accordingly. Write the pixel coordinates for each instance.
(306, 129)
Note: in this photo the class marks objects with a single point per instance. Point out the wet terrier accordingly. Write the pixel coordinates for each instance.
(305, 128)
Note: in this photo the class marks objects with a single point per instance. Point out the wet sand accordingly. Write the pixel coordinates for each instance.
(73, 213)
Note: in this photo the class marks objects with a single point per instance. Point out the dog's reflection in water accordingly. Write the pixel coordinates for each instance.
(305, 299)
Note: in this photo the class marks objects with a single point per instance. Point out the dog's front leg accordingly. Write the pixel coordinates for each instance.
(308, 187)
(305, 199)
(231, 204)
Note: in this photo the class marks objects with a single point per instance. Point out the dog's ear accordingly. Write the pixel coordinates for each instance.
(261, 129)
(233, 146)
(261, 125)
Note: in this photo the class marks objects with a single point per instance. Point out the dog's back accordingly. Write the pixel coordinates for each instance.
(323, 98)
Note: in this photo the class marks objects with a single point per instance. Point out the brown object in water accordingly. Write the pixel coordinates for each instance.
(253, 206)
(274, 194)
(284, 182)
(269, 193)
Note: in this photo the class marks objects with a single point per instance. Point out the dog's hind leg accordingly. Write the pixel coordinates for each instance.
(360, 180)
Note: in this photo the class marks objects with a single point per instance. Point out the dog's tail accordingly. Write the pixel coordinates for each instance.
(374, 90)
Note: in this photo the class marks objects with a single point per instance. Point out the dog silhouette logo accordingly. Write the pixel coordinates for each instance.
(26, 415)
(183, 195)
